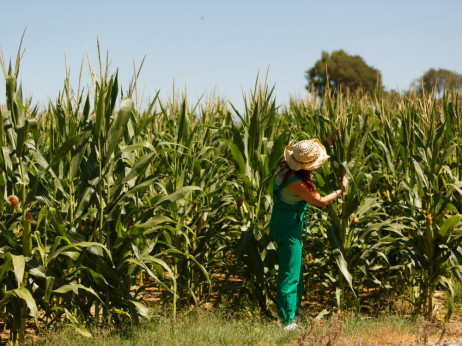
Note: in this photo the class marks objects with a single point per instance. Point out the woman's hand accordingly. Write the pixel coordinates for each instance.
(344, 183)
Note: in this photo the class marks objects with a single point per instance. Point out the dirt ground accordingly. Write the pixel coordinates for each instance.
(451, 334)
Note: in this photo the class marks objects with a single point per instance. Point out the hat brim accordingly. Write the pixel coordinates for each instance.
(296, 165)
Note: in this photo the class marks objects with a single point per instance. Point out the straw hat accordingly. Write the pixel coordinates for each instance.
(307, 155)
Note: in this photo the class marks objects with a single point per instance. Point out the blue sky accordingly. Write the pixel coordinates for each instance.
(222, 45)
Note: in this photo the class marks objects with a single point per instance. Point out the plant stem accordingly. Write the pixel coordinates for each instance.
(26, 248)
(100, 192)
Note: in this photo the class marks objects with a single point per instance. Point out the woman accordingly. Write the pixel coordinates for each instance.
(293, 190)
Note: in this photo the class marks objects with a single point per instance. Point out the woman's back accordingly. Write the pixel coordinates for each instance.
(284, 194)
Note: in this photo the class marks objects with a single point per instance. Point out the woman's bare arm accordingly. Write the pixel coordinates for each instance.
(301, 189)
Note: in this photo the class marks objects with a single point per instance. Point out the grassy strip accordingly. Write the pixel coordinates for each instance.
(205, 328)
(220, 328)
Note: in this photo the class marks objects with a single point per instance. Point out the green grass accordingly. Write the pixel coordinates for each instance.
(205, 328)
(221, 328)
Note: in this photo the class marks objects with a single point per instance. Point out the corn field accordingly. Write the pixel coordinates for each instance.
(102, 200)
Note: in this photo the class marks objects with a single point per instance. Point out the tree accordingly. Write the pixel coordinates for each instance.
(439, 80)
(343, 71)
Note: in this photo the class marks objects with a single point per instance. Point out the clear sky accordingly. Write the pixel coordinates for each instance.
(222, 45)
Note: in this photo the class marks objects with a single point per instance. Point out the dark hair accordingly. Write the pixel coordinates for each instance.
(302, 174)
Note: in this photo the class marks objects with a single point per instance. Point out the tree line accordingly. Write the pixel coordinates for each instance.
(341, 71)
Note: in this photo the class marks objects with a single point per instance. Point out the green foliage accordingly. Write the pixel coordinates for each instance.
(97, 212)
(101, 202)
(340, 71)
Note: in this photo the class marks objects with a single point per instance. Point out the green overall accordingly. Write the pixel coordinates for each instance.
(286, 226)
